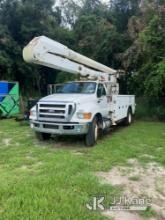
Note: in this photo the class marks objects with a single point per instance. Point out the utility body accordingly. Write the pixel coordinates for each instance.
(83, 107)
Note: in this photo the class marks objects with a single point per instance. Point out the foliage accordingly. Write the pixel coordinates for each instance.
(122, 10)
(153, 65)
(147, 109)
(125, 35)
(155, 82)
(96, 34)
(21, 21)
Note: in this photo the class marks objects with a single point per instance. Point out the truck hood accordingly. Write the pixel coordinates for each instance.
(67, 98)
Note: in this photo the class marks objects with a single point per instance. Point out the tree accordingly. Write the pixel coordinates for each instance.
(96, 34)
(122, 10)
(21, 21)
(153, 45)
(126, 35)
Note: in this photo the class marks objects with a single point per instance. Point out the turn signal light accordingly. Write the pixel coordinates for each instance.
(87, 115)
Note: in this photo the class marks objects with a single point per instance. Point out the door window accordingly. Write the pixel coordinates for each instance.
(101, 91)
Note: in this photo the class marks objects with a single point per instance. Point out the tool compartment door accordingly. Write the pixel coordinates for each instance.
(121, 103)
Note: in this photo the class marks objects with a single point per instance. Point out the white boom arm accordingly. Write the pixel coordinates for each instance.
(46, 52)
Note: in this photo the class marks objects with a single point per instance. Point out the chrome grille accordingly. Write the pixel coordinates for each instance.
(55, 111)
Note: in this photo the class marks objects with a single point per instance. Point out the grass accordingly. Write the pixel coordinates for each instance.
(134, 178)
(54, 180)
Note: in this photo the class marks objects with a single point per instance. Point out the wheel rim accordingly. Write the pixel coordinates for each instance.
(96, 131)
(129, 118)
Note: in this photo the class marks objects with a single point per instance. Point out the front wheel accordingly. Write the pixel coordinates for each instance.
(42, 136)
(93, 133)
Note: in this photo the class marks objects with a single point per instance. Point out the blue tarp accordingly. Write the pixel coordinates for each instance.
(4, 89)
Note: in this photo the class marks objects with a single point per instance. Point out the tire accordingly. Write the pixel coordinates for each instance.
(129, 118)
(42, 136)
(93, 133)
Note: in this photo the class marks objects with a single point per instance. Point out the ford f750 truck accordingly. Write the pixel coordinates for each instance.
(83, 107)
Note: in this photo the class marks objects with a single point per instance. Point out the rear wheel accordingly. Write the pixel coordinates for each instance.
(93, 133)
(42, 136)
(129, 118)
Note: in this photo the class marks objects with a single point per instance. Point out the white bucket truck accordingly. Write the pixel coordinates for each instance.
(83, 107)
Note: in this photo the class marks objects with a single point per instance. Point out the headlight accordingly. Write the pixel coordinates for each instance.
(84, 115)
(33, 113)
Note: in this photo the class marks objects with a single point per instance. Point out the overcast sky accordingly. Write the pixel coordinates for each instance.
(105, 1)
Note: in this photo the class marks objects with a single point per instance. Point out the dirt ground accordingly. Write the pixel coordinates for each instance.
(138, 181)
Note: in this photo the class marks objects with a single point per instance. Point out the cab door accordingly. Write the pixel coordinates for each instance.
(102, 100)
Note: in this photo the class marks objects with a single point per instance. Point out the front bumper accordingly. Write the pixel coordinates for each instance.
(59, 128)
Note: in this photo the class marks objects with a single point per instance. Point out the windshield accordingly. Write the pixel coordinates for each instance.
(77, 87)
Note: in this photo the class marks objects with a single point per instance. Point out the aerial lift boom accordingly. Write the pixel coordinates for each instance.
(44, 51)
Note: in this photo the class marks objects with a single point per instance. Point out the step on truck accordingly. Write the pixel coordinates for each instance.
(83, 107)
